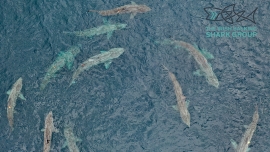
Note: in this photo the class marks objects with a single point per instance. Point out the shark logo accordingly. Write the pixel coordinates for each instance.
(228, 14)
(213, 15)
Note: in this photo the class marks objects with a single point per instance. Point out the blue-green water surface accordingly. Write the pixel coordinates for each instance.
(127, 108)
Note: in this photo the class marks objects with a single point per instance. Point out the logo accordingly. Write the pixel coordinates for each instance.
(228, 14)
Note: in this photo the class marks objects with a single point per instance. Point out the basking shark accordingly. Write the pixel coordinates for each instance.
(133, 8)
(64, 58)
(71, 140)
(49, 128)
(14, 93)
(107, 28)
(205, 68)
(105, 57)
(243, 146)
(200, 57)
(182, 105)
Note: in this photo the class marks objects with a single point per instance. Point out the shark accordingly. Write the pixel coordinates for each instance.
(107, 28)
(200, 57)
(64, 58)
(49, 128)
(182, 105)
(14, 93)
(245, 141)
(71, 140)
(132, 8)
(104, 57)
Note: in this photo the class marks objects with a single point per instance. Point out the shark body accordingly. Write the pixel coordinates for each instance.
(200, 57)
(243, 145)
(103, 29)
(181, 103)
(14, 93)
(49, 128)
(105, 57)
(64, 58)
(71, 140)
(132, 8)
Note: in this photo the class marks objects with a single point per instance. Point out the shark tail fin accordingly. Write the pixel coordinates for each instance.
(165, 68)
(66, 32)
(10, 131)
(92, 11)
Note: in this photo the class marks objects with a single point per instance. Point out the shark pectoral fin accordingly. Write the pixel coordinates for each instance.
(207, 54)
(175, 107)
(55, 130)
(246, 126)
(8, 92)
(234, 144)
(21, 96)
(198, 73)
(187, 103)
(64, 145)
(69, 59)
(72, 82)
(80, 46)
(107, 64)
(109, 34)
(78, 139)
(42, 130)
(189, 56)
(177, 47)
(105, 21)
(133, 3)
(132, 15)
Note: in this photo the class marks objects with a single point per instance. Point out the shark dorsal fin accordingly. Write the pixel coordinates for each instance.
(204, 52)
(133, 3)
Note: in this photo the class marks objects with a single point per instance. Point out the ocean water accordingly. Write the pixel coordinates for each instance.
(128, 106)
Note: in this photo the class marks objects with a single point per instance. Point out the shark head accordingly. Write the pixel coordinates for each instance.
(144, 8)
